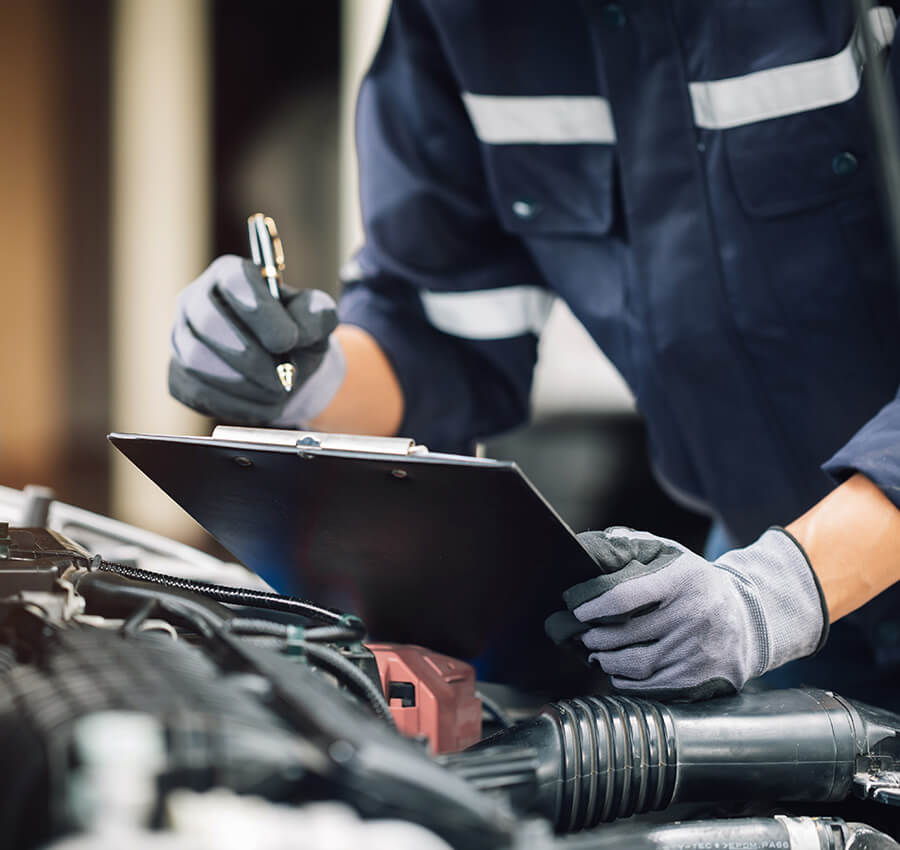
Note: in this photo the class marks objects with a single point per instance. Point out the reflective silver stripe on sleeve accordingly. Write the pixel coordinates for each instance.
(489, 313)
(551, 120)
(788, 89)
(351, 271)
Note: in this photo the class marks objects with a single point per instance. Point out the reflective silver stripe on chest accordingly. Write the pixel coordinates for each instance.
(717, 104)
(789, 89)
(549, 120)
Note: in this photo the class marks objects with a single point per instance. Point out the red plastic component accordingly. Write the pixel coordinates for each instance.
(446, 710)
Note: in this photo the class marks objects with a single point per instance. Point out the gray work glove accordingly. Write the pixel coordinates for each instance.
(665, 623)
(229, 334)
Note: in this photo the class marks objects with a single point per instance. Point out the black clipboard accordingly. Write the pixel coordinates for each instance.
(445, 551)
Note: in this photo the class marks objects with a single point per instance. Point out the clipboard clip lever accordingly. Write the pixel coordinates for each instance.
(403, 446)
(305, 440)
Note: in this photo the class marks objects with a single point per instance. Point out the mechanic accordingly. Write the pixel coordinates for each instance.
(695, 180)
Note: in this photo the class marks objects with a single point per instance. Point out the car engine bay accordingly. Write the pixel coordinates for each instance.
(154, 696)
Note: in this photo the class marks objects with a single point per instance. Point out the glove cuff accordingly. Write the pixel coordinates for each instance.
(317, 392)
(795, 618)
(826, 619)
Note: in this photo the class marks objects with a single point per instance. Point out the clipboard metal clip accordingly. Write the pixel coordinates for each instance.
(305, 440)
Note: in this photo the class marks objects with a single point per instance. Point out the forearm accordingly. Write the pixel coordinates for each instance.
(852, 538)
(369, 400)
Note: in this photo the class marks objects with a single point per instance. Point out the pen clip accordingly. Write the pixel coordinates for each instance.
(266, 250)
(277, 247)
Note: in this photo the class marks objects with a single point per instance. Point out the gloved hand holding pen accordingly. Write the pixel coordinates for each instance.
(229, 333)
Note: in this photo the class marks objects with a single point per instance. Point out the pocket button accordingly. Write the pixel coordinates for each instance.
(614, 16)
(525, 209)
(844, 164)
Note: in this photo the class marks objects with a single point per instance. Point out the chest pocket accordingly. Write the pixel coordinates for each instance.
(552, 189)
(807, 186)
(787, 165)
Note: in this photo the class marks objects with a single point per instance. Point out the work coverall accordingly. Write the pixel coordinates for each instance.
(694, 178)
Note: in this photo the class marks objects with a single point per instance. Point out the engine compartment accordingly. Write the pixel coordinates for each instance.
(139, 707)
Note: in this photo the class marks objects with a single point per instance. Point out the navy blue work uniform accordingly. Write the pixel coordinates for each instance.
(694, 179)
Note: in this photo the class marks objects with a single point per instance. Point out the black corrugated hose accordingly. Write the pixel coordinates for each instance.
(236, 595)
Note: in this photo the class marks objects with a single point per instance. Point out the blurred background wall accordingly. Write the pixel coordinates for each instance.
(138, 135)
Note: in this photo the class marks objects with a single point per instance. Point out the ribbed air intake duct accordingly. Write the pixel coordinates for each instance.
(618, 758)
(584, 761)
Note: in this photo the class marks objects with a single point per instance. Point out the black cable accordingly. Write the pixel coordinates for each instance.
(341, 626)
(331, 634)
(329, 659)
(492, 707)
(236, 595)
(131, 626)
(351, 676)
(246, 626)
(268, 641)
(113, 595)
(175, 608)
(316, 634)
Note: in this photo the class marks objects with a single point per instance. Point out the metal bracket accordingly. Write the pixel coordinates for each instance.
(881, 787)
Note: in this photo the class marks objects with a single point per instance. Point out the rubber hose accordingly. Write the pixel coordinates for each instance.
(584, 761)
(237, 595)
(795, 833)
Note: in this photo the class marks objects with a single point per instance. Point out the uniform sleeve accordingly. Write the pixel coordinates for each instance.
(874, 451)
(454, 301)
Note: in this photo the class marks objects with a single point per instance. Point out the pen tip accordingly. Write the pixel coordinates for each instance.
(286, 372)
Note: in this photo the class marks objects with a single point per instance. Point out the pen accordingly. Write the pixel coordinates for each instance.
(268, 253)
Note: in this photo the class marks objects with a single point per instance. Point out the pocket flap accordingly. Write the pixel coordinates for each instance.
(800, 162)
(552, 189)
